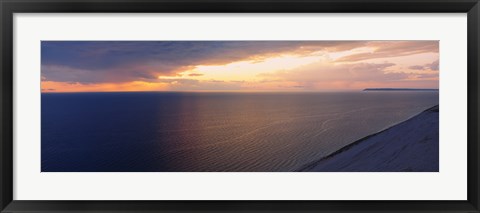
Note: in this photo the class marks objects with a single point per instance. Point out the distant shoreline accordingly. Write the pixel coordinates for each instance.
(310, 167)
(233, 92)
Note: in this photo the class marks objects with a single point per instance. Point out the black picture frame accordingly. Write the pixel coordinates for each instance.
(9, 7)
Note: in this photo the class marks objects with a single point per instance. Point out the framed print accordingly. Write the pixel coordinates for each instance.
(257, 106)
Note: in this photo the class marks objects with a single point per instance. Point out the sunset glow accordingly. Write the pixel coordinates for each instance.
(90, 66)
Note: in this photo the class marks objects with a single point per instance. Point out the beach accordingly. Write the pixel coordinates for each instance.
(410, 146)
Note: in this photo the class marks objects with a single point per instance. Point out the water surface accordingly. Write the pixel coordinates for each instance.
(194, 132)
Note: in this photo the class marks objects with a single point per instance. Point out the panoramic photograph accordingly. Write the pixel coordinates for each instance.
(240, 106)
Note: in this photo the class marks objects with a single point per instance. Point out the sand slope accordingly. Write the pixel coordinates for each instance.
(412, 145)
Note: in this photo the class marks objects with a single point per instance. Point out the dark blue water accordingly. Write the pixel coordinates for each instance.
(192, 132)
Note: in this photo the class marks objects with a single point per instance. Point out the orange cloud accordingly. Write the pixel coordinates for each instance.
(52, 86)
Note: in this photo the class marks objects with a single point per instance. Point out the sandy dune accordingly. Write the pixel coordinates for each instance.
(410, 146)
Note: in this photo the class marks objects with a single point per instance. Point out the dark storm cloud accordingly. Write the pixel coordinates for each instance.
(121, 61)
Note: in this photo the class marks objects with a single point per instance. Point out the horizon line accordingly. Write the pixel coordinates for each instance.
(236, 91)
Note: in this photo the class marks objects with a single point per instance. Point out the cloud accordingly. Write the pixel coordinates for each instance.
(208, 85)
(386, 49)
(323, 75)
(178, 81)
(121, 61)
(434, 65)
(427, 75)
(326, 72)
(62, 73)
(431, 66)
(417, 67)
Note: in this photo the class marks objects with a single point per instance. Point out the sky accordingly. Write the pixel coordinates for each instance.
(101, 66)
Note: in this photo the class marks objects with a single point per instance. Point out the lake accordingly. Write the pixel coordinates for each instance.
(216, 132)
